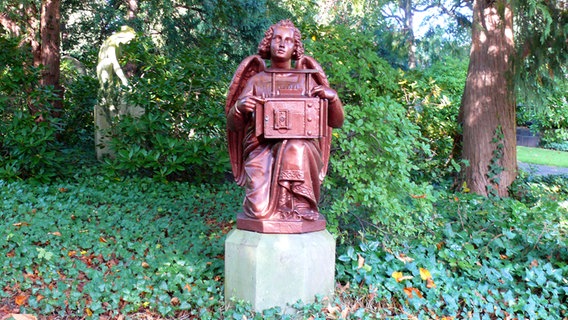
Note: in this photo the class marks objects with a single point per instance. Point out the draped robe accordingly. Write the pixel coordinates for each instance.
(282, 176)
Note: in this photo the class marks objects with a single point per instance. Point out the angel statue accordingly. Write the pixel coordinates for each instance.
(279, 121)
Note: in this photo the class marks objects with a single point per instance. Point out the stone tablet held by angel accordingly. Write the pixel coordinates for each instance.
(279, 122)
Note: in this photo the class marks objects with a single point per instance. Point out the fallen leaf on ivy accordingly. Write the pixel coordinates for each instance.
(145, 265)
(21, 224)
(21, 300)
(430, 283)
(89, 312)
(425, 274)
(465, 189)
(22, 317)
(174, 301)
(399, 277)
(421, 196)
(410, 292)
(103, 240)
(39, 297)
(344, 288)
(534, 263)
(71, 253)
(404, 258)
(188, 287)
(360, 261)
(440, 245)
(63, 189)
(56, 233)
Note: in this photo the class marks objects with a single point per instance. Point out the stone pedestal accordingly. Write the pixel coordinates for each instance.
(270, 270)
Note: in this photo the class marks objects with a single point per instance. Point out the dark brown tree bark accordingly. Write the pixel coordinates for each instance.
(488, 105)
(50, 51)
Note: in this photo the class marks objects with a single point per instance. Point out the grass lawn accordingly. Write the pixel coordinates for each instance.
(542, 156)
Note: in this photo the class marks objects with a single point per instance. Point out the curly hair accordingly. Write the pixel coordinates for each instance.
(264, 46)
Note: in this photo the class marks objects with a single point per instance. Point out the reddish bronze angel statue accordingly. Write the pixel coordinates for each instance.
(279, 122)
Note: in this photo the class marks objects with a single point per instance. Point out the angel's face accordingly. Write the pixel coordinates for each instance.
(282, 44)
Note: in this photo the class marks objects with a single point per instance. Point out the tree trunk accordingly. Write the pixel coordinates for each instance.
(132, 8)
(410, 40)
(488, 104)
(50, 51)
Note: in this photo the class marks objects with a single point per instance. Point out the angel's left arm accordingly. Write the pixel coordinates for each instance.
(336, 115)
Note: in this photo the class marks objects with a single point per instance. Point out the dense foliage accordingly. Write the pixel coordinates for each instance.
(95, 246)
(141, 234)
(28, 148)
(181, 133)
(549, 119)
(377, 139)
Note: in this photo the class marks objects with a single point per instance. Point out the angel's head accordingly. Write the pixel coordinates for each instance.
(264, 46)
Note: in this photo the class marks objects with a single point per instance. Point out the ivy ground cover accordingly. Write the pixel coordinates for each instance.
(105, 247)
(100, 248)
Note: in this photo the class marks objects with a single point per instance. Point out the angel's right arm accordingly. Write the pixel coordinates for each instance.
(236, 118)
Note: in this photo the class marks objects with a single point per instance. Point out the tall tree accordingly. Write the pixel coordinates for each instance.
(487, 112)
(40, 29)
(50, 51)
(488, 105)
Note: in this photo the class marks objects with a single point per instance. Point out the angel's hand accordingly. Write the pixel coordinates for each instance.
(324, 93)
(248, 104)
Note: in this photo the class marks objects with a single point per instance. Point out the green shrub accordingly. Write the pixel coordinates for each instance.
(550, 119)
(28, 147)
(81, 89)
(432, 98)
(560, 146)
(181, 134)
(369, 185)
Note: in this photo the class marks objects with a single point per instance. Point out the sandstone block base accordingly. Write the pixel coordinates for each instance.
(270, 270)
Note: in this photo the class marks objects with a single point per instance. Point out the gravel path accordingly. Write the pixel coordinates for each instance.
(542, 170)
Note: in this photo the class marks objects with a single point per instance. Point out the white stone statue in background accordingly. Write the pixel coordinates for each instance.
(111, 104)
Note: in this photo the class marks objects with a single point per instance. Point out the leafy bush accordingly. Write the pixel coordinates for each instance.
(432, 99)
(81, 89)
(181, 133)
(550, 119)
(560, 146)
(369, 184)
(28, 147)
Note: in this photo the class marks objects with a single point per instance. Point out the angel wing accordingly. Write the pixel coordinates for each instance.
(248, 68)
(307, 62)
